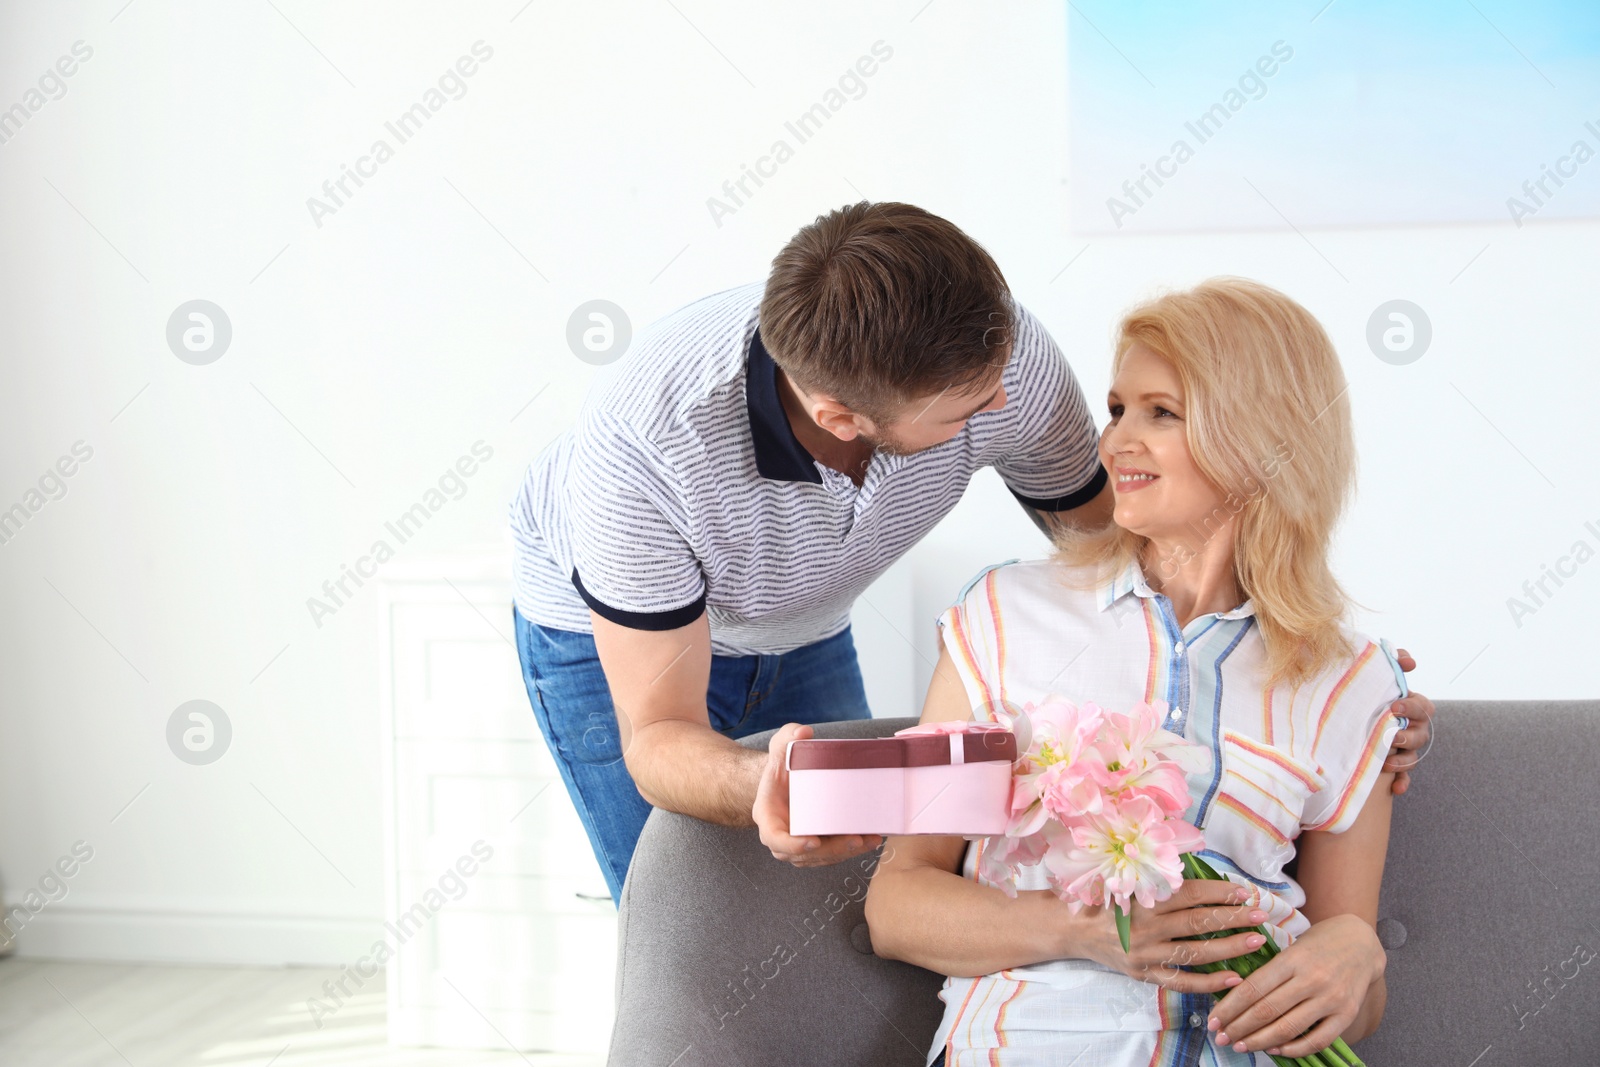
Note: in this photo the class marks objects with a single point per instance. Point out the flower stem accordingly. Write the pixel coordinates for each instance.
(1346, 1055)
(1337, 1054)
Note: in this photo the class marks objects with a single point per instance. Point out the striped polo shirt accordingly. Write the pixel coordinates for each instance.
(682, 489)
(1281, 763)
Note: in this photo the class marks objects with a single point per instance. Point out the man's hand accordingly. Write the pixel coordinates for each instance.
(1410, 743)
(771, 813)
(1317, 984)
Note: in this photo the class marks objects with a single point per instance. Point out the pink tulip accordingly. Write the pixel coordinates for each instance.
(1128, 852)
(1054, 777)
(1097, 798)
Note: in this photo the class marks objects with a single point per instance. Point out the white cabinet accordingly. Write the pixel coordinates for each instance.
(516, 950)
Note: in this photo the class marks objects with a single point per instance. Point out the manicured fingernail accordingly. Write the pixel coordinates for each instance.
(1273, 1051)
(1232, 981)
(1239, 1047)
(1258, 916)
(1254, 940)
(1222, 1038)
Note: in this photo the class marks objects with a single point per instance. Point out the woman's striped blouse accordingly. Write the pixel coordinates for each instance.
(1289, 762)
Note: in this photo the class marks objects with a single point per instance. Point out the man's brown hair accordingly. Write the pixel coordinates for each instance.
(876, 304)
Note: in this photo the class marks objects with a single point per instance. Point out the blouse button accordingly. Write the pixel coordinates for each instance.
(1196, 1019)
(1178, 648)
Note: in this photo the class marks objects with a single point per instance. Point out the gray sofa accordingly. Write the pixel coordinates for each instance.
(1490, 912)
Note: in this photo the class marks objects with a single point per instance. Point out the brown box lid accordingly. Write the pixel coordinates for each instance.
(915, 750)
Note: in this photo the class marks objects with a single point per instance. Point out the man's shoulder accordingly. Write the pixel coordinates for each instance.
(1037, 372)
(679, 364)
(1032, 341)
(706, 313)
(1026, 369)
(698, 345)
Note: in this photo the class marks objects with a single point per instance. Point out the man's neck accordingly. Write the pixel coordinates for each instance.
(847, 457)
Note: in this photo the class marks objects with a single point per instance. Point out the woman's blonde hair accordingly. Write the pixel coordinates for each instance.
(1268, 423)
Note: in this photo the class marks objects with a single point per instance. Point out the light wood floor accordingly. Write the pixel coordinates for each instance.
(61, 1014)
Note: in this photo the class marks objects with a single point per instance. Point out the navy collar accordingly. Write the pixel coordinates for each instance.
(779, 454)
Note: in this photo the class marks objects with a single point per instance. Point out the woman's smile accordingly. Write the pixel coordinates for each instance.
(1131, 479)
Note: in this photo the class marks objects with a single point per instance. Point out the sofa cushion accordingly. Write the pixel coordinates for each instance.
(1489, 912)
(1489, 899)
(728, 956)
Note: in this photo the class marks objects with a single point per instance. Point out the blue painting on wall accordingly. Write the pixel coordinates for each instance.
(1255, 115)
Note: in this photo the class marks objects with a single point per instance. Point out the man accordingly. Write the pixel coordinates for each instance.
(688, 553)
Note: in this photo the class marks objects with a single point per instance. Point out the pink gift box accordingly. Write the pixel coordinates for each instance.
(937, 778)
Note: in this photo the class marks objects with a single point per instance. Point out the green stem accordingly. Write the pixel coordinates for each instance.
(1345, 1053)
(1337, 1054)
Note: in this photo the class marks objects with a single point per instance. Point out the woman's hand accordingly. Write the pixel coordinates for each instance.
(1317, 984)
(1156, 949)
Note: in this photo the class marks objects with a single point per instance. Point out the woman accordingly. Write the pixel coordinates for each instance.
(1231, 450)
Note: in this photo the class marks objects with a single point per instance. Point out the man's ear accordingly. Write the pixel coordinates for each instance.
(837, 419)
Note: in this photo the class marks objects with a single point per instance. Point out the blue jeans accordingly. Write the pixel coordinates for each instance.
(819, 682)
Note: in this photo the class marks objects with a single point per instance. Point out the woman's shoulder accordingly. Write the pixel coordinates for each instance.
(1346, 727)
(1370, 664)
(1338, 713)
(1024, 575)
(1032, 579)
(1013, 621)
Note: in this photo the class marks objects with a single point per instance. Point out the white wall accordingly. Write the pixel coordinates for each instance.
(425, 315)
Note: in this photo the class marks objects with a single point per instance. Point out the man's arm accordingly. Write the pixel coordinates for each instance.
(658, 681)
(1094, 514)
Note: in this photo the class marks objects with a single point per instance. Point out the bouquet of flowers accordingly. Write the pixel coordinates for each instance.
(1098, 799)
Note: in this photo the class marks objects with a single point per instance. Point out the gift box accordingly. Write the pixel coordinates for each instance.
(937, 778)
